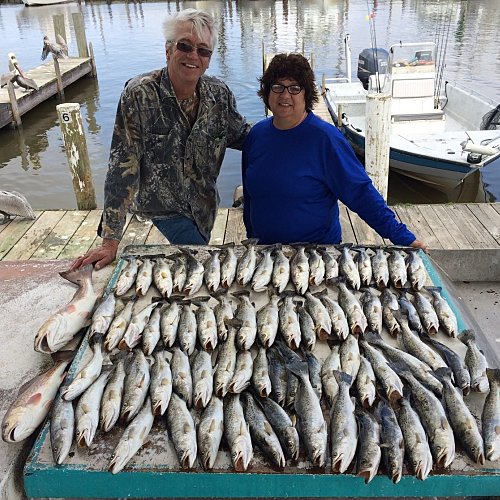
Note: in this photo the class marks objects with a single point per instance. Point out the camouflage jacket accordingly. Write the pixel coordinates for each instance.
(158, 165)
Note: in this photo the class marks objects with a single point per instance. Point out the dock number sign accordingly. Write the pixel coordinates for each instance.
(66, 117)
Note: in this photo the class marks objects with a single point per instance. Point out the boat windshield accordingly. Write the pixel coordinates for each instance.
(412, 58)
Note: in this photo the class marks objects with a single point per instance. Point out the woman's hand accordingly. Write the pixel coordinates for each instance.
(101, 256)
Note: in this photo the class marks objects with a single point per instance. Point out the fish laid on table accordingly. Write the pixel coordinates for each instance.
(348, 268)
(62, 429)
(237, 433)
(206, 324)
(212, 273)
(343, 425)
(417, 448)
(264, 271)
(179, 271)
(417, 274)
(247, 262)
(151, 334)
(308, 408)
(228, 266)
(462, 422)
(133, 438)
(32, 404)
(209, 432)
(133, 333)
(283, 426)
(127, 277)
(380, 268)
(320, 316)
(364, 266)
(445, 314)
(160, 387)
(223, 311)
(194, 275)
(203, 380)
(331, 264)
(144, 277)
(226, 360)
(278, 375)
(350, 358)
(103, 315)
(475, 362)
(136, 386)
(314, 367)
(242, 372)
(87, 410)
(365, 383)
(433, 417)
(88, 374)
(245, 313)
(340, 325)
(182, 380)
(112, 397)
(391, 383)
(281, 269)
(397, 268)
(330, 365)
(372, 309)
(307, 329)
(268, 320)
(262, 433)
(169, 321)
(369, 453)
(316, 266)
(261, 381)
(391, 440)
(426, 312)
(187, 329)
(352, 308)
(63, 325)
(408, 309)
(289, 321)
(118, 326)
(299, 270)
(182, 431)
(491, 416)
(162, 277)
(455, 362)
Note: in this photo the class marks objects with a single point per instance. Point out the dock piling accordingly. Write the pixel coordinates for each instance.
(377, 139)
(59, 28)
(60, 86)
(16, 116)
(81, 38)
(93, 72)
(75, 144)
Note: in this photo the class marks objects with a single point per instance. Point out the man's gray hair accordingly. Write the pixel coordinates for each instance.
(200, 20)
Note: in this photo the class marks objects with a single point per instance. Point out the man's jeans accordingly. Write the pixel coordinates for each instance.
(180, 231)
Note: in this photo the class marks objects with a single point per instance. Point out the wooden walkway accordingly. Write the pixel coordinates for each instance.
(72, 69)
(61, 234)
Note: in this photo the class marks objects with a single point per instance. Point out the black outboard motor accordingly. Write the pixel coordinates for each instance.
(371, 61)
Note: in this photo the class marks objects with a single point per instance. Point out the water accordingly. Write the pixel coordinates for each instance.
(128, 40)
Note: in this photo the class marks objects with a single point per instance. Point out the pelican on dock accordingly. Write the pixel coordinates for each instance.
(12, 204)
(16, 75)
(58, 50)
(238, 196)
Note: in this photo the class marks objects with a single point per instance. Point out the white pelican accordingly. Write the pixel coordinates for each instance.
(12, 204)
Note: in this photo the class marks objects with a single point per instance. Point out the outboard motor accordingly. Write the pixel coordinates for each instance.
(370, 62)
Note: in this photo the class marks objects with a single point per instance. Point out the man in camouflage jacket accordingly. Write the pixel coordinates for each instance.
(171, 131)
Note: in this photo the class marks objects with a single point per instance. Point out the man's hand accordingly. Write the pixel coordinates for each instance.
(102, 256)
(420, 244)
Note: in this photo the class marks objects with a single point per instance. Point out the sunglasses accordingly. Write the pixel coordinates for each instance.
(277, 88)
(188, 48)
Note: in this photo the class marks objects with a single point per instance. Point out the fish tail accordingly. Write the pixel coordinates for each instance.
(467, 336)
(78, 276)
(342, 377)
(493, 374)
(443, 374)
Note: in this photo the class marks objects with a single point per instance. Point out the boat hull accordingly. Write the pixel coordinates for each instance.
(35, 3)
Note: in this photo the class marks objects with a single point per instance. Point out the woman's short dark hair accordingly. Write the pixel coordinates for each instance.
(294, 67)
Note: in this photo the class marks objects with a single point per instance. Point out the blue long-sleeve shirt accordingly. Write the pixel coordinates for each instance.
(293, 180)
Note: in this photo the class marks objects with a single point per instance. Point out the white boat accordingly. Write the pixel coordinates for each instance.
(440, 133)
(30, 3)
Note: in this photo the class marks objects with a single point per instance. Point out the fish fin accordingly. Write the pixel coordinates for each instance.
(268, 428)
(78, 276)
(35, 399)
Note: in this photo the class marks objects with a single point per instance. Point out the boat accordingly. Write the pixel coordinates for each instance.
(440, 133)
(31, 3)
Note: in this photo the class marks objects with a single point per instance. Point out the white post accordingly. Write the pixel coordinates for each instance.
(377, 139)
(70, 121)
(347, 58)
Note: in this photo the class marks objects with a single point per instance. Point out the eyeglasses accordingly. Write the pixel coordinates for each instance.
(277, 88)
(188, 48)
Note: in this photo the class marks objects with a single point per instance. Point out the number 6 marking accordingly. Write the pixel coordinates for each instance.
(66, 117)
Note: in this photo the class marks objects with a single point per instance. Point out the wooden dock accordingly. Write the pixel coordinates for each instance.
(66, 234)
(72, 69)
